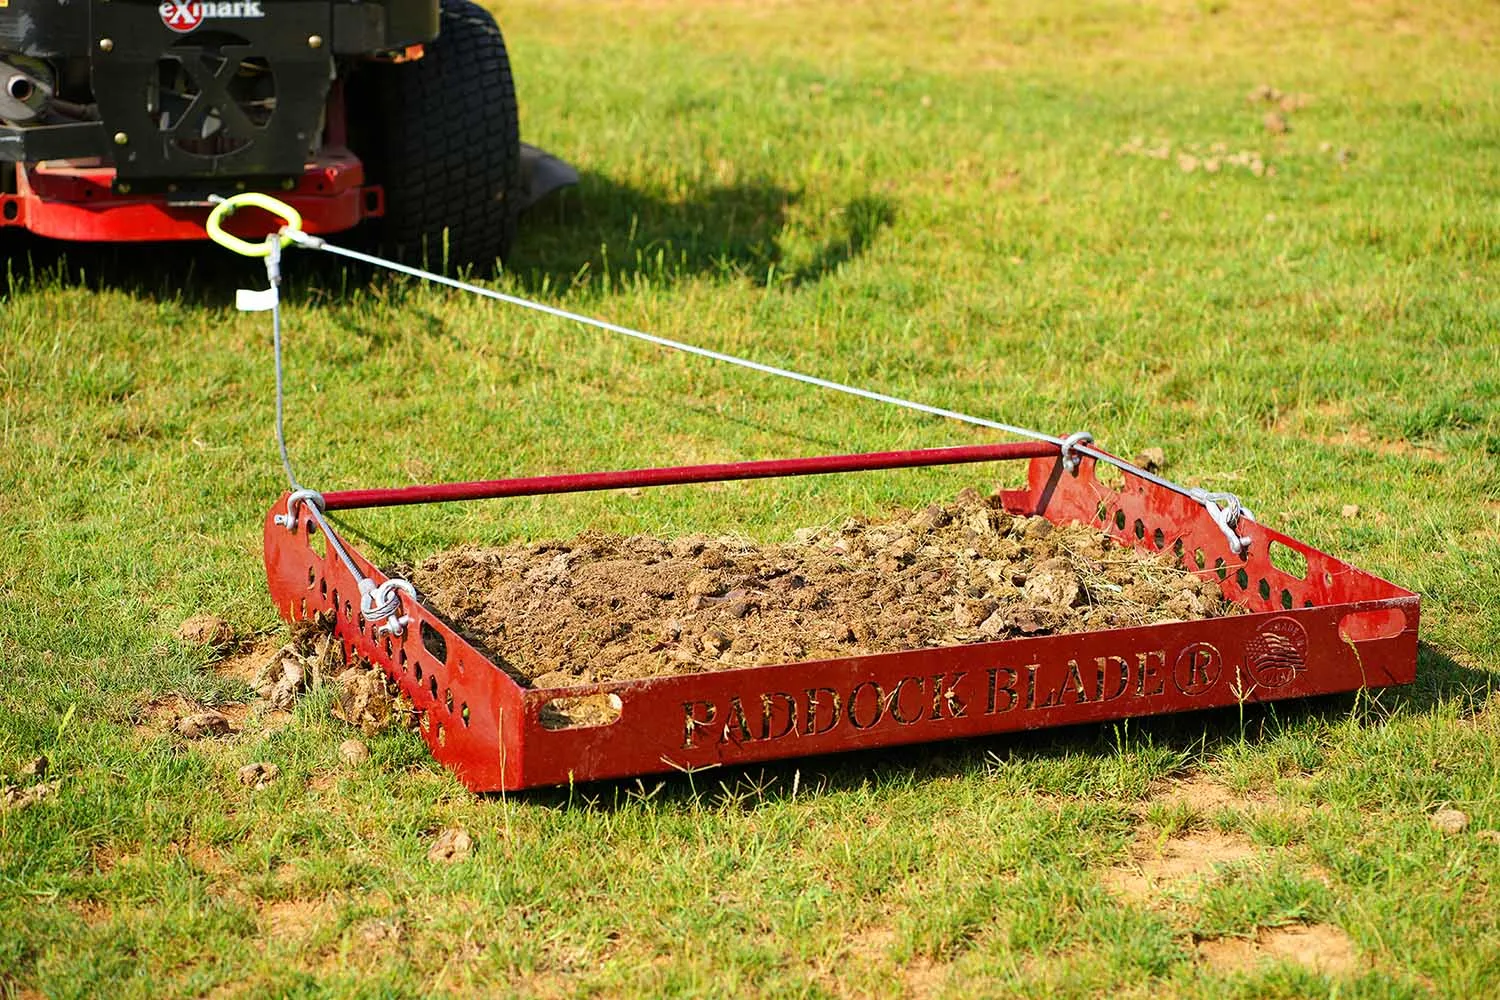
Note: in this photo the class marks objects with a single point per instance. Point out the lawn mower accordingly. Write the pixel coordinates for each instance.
(121, 120)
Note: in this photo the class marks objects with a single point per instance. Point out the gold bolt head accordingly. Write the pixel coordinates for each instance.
(124, 188)
(122, 139)
(315, 41)
(106, 45)
(288, 184)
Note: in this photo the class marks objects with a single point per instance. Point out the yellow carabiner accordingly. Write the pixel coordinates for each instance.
(250, 199)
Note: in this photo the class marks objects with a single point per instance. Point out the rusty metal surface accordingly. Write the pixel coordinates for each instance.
(1335, 628)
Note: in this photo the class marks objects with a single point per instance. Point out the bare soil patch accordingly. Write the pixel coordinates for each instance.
(290, 918)
(1201, 794)
(1322, 948)
(604, 607)
(1196, 855)
(249, 661)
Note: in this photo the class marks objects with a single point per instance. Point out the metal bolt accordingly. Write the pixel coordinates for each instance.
(315, 41)
(106, 45)
(121, 139)
(239, 185)
(124, 188)
(288, 184)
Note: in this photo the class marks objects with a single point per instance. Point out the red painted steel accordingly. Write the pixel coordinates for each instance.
(72, 200)
(1335, 628)
(493, 489)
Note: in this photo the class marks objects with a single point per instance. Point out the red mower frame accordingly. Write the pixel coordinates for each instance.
(1333, 629)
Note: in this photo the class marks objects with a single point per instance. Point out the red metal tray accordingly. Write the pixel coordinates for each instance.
(1333, 629)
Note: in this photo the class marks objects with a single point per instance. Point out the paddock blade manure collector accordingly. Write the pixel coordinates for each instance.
(1314, 625)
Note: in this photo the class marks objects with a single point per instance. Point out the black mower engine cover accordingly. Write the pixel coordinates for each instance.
(172, 90)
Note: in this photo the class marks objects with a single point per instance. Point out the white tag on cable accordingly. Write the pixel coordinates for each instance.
(255, 299)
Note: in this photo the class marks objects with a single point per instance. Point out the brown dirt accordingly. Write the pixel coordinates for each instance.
(290, 918)
(1191, 857)
(249, 661)
(604, 607)
(1201, 794)
(1322, 948)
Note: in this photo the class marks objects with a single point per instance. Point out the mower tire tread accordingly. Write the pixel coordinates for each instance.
(448, 147)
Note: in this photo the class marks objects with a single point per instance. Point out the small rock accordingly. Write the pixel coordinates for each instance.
(207, 630)
(1449, 821)
(354, 752)
(1488, 836)
(715, 641)
(1275, 123)
(1351, 510)
(259, 774)
(1152, 459)
(202, 724)
(453, 844)
(35, 769)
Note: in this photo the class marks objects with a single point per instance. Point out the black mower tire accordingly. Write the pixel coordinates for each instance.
(444, 140)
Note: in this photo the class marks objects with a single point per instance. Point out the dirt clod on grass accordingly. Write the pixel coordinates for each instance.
(354, 752)
(201, 725)
(452, 845)
(207, 630)
(603, 607)
(18, 798)
(259, 774)
(1449, 821)
(370, 701)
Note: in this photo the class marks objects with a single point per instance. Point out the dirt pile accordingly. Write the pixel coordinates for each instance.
(604, 607)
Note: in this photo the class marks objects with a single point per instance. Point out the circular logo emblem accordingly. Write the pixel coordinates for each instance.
(182, 16)
(1197, 668)
(1277, 653)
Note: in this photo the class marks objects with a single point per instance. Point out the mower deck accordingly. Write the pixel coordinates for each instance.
(1333, 629)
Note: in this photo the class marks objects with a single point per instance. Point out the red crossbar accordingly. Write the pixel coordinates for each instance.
(675, 475)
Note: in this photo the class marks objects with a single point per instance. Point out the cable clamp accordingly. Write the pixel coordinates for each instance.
(1070, 459)
(297, 236)
(298, 497)
(1226, 511)
(383, 603)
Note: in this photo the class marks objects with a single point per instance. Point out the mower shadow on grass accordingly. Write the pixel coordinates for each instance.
(1174, 742)
(197, 274)
(603, 230)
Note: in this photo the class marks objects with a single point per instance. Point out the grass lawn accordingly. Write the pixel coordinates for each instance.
(988, 208)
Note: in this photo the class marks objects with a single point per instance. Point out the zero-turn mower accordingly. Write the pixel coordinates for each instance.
(121, 119)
